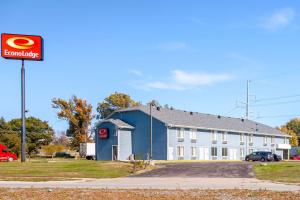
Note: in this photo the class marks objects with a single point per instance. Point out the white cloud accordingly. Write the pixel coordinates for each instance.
(181, 80)
(279, 19)
(136, 72)
(196, 20)
(172, 46)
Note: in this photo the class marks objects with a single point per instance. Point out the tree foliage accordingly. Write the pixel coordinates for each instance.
(79, 115)
(115, 102)
(294, 124)
(38, 133)
(290, 130)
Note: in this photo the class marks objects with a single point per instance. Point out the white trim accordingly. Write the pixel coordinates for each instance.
(119, 146)
(168, 143)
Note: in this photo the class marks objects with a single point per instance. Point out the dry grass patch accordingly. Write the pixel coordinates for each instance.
(66, 194)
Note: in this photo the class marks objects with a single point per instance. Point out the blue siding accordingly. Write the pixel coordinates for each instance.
(104, 146)
(137, 140)
(141, 134)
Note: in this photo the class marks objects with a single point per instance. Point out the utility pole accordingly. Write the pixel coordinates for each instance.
(150, 130)
(23, 126)
(247, 101)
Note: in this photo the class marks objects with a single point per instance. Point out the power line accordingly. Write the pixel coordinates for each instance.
(274, 98)
(277, 116)
(277, 103)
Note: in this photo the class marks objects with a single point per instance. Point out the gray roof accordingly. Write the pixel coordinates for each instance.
(119, 123)
(179, 118)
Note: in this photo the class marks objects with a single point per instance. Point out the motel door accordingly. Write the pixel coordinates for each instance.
(114, 152)
(203, 151)
(171, 153)
(232, 154)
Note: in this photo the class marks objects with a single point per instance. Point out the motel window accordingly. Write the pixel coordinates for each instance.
(242, 154)
(224, 136)
(272, 140)
(214, 152)
(193, 135)
(180, 133)
(214, 136)
(193, 152)
(251, 138)
(250, 151)
(242, 137)
(224, 153)
(273, 151)
(265, 140)
(180, 151)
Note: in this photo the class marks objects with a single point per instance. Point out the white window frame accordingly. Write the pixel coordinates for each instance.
(180, 133)
(242, 153)
(285, 140)
(251, 150)
(272, 139)
(225, 157)
(193, 134)
(193, 151)
(273, 150)
(223, 136)
(214, 136)
(216, 151)
(250, 138)
(242, 137)
(265, 140)
(180, 151)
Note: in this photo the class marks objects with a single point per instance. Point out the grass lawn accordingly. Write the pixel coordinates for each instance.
(62, 169)
(282, 172)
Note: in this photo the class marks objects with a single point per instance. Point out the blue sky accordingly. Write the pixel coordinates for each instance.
(193, 55)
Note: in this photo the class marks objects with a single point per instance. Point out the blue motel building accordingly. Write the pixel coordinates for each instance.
(182, 135)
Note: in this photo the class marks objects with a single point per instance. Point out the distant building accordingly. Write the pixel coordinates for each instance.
(181, 135)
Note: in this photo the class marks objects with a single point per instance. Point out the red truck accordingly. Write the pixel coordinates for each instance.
(6, 155)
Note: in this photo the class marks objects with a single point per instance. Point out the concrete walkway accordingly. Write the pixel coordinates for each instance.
(157, 183)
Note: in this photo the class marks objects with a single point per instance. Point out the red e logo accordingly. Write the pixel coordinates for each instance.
(103, 133)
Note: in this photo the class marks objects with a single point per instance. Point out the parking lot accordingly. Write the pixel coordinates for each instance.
(202, 170)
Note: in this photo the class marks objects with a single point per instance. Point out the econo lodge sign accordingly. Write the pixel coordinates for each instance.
(27, 47)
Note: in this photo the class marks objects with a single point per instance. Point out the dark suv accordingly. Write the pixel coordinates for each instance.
(260, 156)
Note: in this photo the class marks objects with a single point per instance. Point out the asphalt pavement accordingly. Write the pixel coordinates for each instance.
(202, 170)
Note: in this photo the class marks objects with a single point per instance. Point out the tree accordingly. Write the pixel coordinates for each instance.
(79, 115)
(154, 103)
(51, 149)
(38, 133)
(293, 139)
(115, 102)
(294, 126)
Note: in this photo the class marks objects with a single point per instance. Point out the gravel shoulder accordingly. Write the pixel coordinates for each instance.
(66, 194)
